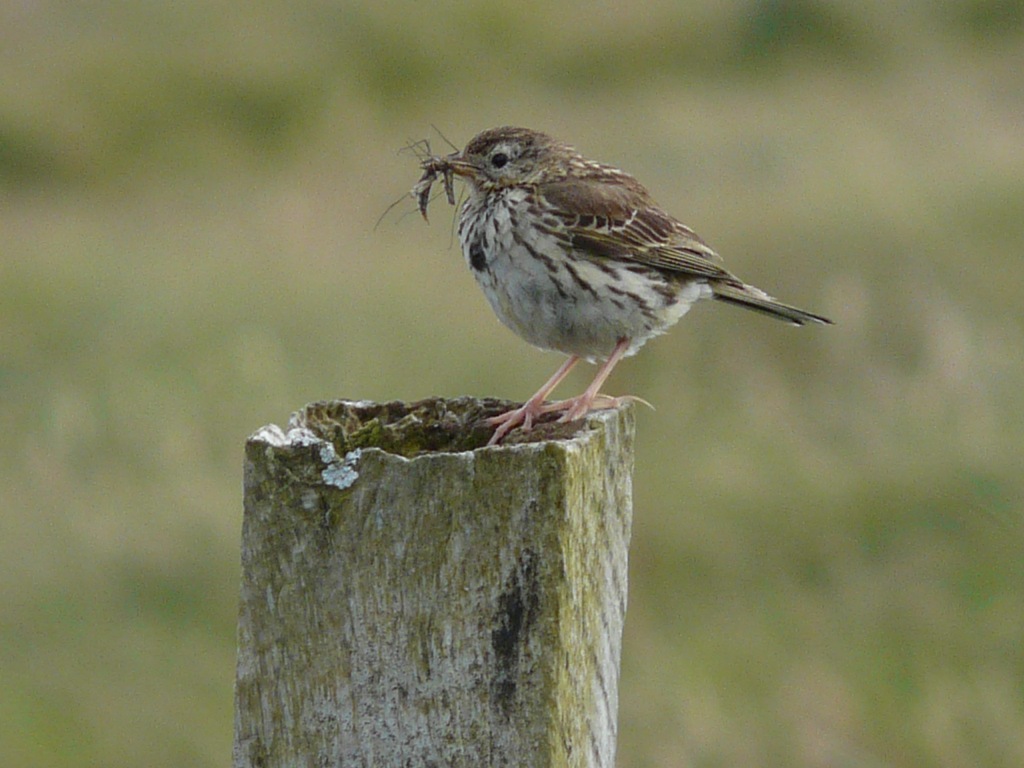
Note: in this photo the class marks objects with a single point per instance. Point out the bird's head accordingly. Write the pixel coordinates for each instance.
(510, 156)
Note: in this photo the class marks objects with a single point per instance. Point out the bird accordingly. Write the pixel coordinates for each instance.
(575, 256)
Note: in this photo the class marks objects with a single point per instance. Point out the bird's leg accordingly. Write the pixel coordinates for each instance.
(577, 407)
(532, 408)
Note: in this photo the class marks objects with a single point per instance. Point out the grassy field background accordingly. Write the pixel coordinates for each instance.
(827, 566)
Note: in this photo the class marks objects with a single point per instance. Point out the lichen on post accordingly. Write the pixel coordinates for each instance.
(410, 597)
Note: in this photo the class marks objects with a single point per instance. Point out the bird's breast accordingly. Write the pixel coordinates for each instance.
(554, 297)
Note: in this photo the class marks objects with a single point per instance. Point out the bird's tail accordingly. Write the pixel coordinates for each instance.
(749, 297)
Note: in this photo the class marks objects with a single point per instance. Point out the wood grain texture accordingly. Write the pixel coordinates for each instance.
(442, 608)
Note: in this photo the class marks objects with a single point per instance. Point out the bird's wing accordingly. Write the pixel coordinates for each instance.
(617, 219)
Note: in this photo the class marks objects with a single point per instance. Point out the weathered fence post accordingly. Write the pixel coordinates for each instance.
(411, 600)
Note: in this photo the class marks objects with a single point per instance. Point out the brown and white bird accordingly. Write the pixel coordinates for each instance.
(575, 256)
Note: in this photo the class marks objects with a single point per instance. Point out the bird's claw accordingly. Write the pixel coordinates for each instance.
(572, 409)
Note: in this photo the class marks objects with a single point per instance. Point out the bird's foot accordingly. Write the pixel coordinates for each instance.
(523, 416)
(578, 407)
(572, 409)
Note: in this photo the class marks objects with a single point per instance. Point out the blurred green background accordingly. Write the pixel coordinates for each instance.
(827, 561)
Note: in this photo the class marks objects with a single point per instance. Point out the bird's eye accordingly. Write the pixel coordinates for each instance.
(499, 159)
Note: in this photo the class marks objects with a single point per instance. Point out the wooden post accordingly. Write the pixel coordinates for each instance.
(411, 599)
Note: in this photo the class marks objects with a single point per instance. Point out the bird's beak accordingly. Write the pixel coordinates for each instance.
(459, 165)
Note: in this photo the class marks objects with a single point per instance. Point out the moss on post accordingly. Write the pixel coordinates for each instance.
(410, 598)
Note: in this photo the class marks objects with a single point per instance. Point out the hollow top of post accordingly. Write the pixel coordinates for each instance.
(426, 426)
